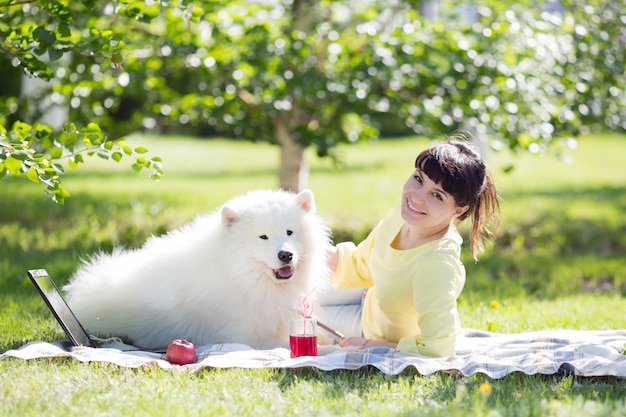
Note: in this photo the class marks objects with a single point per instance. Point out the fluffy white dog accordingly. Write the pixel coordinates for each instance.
(234, 275)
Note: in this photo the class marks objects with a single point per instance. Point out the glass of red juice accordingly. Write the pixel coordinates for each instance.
(302, 338)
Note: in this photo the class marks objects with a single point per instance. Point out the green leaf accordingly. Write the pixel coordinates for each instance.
(116, 156)
(156, 163)
(62, 11)
(60, 195)
(56, 153)
(22, 128)
(63, 32)
(32, 174)
(137, 167)
(20, 154)
(135, 9)
(196, 12)
(54, 54)
(13, 165)
(149, 13)
(42, 131)
(140, 150)
(43, 36)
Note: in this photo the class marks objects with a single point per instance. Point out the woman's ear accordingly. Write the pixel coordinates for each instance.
(461, 210)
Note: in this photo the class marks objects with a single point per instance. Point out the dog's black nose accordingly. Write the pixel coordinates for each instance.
(285, 256)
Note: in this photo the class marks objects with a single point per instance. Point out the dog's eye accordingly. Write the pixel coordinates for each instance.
(289, 233)
(264, 237)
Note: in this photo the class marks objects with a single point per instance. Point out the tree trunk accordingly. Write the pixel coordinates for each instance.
(294, 170)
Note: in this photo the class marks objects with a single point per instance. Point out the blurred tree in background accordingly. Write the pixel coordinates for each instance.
(302, 74)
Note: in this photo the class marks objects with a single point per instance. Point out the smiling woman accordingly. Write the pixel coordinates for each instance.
(410, 262)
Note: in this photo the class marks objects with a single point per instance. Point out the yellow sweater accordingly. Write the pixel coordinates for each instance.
(412, 296)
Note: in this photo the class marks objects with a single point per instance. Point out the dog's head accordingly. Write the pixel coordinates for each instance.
(276, 230)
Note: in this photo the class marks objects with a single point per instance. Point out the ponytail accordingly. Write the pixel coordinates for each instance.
(484, 216)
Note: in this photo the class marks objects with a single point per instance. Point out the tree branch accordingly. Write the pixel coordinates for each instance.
(19, 3)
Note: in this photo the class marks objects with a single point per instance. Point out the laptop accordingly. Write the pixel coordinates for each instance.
(59, 308)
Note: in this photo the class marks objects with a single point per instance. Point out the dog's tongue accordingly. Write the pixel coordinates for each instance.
(284, 272)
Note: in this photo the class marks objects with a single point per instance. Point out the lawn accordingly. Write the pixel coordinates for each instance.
(558, 262)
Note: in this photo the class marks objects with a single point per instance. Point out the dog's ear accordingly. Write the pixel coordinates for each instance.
(229, 216)
(306, 200)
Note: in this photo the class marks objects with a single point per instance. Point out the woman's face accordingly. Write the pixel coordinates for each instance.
(427, 205)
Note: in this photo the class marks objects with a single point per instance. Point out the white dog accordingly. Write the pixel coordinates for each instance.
(231, 276)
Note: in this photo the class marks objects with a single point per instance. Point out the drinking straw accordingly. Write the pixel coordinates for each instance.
(306, 308)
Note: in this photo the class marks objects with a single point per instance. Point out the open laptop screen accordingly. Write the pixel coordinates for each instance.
(57, 304)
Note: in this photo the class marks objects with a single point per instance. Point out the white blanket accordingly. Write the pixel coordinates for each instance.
(568, 352)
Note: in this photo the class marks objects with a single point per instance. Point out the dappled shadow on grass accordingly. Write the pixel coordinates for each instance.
(610, 196)
(553, 235)
(608, 193)
(573, 242)
(37, 233)
(552, 256)
(33, 210)
(511, 276)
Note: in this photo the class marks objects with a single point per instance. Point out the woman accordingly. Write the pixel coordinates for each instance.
(410, 262)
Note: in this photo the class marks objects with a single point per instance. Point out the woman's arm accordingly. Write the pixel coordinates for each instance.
(364, 343)
(435, 292)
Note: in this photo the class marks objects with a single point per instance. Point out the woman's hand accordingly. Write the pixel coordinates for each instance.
(353, 342)
(333, 258)
(364, 343)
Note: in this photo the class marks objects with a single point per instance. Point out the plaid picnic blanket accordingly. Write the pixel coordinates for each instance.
(567, 352)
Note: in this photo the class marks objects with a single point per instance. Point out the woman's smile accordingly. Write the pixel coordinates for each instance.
(412, 208)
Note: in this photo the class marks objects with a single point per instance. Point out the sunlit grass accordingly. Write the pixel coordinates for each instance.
(557, 262)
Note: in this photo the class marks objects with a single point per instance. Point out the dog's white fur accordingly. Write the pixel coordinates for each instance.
(215, 280)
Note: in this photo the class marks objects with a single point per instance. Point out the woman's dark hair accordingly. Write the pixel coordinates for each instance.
(457, 166)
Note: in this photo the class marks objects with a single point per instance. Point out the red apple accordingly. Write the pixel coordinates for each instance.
(181, 352)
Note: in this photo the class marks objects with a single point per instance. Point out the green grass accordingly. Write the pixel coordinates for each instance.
(558, 262)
